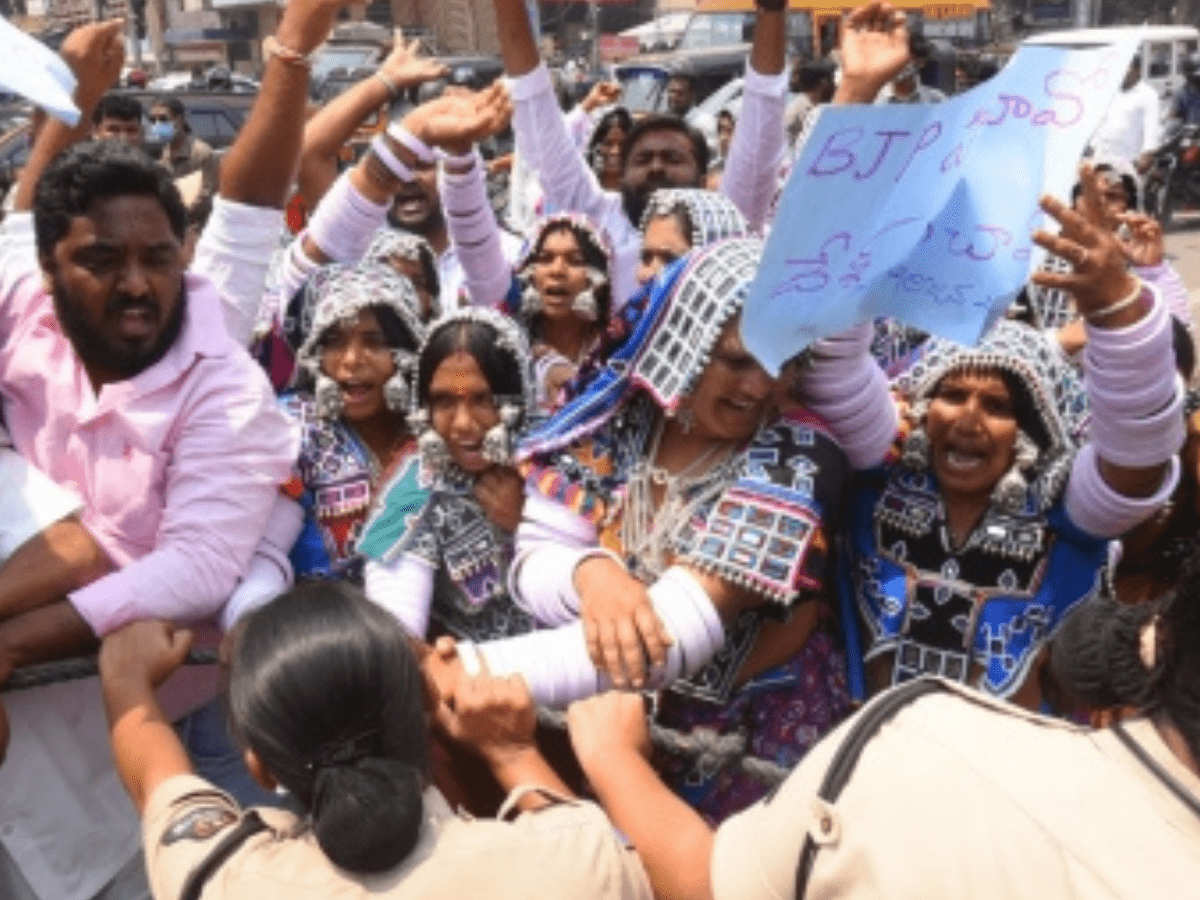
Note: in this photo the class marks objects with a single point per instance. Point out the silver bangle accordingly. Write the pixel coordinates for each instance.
(1123, 303)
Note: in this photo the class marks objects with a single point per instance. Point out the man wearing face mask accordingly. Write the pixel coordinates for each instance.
(182, 152)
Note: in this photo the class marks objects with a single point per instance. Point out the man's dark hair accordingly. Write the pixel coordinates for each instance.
(117, 106)
(174, 104)
(96, 170)
(686, 77)
(667, 122)
(811, 74)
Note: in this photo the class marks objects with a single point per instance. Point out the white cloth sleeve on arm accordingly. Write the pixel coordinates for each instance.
(269, 573)
(551, 541)
(404, 587)
(344, 222)
(472, 224)
(845, 387)
(555, 663)
(29, 500)
(759, 146)
(235, 252)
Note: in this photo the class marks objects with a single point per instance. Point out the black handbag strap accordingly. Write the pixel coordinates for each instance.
(842, 766)
(250, 825)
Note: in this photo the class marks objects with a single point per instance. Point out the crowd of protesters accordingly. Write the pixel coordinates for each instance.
(413, 478)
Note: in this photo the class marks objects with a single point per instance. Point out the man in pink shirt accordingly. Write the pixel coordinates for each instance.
(124, 379)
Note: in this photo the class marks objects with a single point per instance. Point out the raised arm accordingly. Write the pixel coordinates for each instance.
(759, 142)
(455, 124)
(334, 124)
(1128, 468)
(543, 139)
(95, 54)
(242, 234)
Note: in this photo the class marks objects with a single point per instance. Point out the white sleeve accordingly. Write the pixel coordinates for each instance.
(235, 253)
(29, 501)
(551, 541)
(404, 587)
(476, 235)
(269, 573)
(544, 140)
(758, 147)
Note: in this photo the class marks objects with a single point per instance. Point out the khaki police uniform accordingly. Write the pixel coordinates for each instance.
(568, 850)
(961, 796)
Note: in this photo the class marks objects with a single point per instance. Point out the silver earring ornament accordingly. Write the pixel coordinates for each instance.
(435, 455)
(395, 392)
(531, 300)
(915, 454)
(687, 419)
(327, 397)
(584, 305)
(497, 442)
(1012, 488)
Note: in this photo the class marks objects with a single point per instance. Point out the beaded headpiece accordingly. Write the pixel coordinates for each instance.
(713, 217)
(524, 302)
(1059, 401)
(510, 338)
(339, 292)
(391, 242)
(686, 307)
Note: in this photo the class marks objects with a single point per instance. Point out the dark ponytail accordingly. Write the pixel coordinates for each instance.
(326, 690)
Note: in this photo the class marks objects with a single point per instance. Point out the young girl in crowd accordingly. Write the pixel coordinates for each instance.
(442, 568)
(326, 696)
(355, 331)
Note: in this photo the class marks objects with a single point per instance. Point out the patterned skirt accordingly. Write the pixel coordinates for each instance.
(782, 712)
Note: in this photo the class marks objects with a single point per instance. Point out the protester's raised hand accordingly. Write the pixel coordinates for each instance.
(405, 67)
(456, 121)
(143, 653)
(306, 23)
(1100, 276)
(95, 54)
(1142, 241)
(874, 48)
(606, 725)
(622, 630)
(603, 93)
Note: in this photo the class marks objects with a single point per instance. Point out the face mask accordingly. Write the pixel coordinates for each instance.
(162, 132)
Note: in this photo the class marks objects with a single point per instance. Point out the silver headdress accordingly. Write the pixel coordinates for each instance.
(338, 293)
(498, 442)
(1058, 398)
(389, 243)
(713, 217)
(585, 304)
(708, 293)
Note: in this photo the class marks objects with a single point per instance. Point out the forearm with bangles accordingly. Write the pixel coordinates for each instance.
(845, 387)
(558, 670)
(474, 230)
(345, 222)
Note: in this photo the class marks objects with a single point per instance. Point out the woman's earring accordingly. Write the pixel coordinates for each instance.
(395, 392)
(1027, 452)
(915, 455)
(584, 305)
(497, 442)
(531, 300)
(687, 419)
(327, 397)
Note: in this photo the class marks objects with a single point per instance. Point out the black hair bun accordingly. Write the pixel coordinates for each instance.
(367, 814)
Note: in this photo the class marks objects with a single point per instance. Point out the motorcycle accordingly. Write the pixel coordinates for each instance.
(1173, 180)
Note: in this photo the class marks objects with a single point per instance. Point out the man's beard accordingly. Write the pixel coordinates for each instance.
(635, 200)
(115, 359)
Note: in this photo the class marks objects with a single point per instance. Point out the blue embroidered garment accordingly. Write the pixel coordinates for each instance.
(992, 603)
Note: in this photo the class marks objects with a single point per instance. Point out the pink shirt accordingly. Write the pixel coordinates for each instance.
(178, 467)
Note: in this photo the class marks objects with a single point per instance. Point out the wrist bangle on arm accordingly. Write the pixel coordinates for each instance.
(406, 138)
(272, 49)
(379, 146)
(393, 89)
(1124, 303)
(461, 164)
